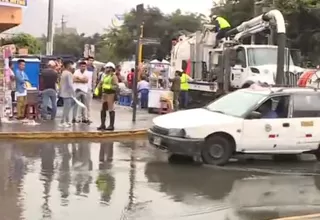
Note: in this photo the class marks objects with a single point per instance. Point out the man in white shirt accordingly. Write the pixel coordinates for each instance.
(143, 91)
(92, 79)
(143, 84)
(81, 80)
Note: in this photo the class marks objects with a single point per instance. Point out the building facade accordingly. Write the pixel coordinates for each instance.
(11, 13)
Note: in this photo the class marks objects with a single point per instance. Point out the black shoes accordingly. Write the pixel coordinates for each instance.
(103, 116)
(112, 119)
(103, 127)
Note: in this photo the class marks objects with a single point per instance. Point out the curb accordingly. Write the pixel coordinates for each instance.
(301, 217)
(72, 135)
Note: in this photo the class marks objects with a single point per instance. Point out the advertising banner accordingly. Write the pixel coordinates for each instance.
(14, 3)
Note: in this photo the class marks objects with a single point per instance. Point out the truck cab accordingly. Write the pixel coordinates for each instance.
(256, 63)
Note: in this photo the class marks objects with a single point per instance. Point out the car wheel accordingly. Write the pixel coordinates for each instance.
(217, 150)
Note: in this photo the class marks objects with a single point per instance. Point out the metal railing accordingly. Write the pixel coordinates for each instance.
(291, 79)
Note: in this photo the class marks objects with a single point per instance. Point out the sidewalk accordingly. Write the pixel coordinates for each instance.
(123, 124)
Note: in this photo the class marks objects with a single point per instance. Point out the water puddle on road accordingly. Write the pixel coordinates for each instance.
(131, 180)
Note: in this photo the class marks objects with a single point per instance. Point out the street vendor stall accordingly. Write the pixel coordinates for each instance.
(159, 83)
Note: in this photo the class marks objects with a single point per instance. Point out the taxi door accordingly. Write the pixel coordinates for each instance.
(306, 121)
(268, 135)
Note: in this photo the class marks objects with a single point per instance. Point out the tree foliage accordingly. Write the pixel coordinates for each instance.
(119, 43)
(156, 25)
(23, 40)
(302, 17)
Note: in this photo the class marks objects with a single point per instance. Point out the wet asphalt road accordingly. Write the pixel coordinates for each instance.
(131, 180)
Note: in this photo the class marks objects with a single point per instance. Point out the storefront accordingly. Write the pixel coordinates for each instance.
(11, 13)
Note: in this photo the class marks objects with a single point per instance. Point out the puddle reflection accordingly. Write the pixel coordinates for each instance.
(105, 181)
(129, 180)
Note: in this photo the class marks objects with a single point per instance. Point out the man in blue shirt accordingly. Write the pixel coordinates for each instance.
(21, 90)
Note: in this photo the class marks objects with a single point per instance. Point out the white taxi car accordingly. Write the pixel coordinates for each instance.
(259, 121)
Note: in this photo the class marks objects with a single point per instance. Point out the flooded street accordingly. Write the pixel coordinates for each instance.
(131, 180)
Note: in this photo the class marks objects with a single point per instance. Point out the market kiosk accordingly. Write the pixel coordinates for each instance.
(159, 83)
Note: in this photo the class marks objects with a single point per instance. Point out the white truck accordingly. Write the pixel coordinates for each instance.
(253, 63)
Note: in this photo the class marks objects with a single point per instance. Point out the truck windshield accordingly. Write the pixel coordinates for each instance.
(236, 103)
(265, 56)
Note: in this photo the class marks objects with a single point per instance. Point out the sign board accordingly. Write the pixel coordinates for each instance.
(150, 41)
(14, 3)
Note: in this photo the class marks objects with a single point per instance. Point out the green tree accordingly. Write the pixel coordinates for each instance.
(117, 44)
(73, 44)
(302, 17)
(23, 40)
(120, 43)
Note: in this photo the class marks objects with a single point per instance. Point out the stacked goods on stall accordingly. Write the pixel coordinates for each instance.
(159, 91)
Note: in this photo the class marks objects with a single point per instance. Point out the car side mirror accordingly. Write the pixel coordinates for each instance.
(254, 115)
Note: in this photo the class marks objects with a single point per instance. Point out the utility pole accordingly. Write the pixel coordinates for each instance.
(140, 44)
(63, 25)
(139, 23)
(49, 46)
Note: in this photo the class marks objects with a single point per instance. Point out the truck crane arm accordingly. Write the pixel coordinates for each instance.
(260, 23)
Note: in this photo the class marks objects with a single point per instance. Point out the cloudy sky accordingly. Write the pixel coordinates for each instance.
(91, 16)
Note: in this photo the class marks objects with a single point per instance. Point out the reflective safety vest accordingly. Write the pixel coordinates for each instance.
(223, 23)
(107, 82)
(184, 85)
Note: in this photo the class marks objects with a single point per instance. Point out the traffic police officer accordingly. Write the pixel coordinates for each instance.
(222, 26)
(109, 88)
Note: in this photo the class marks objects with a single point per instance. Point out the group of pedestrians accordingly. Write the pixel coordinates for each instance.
(70, 81)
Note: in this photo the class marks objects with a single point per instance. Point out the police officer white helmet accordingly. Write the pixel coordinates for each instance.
(110, 65)
(214, 17)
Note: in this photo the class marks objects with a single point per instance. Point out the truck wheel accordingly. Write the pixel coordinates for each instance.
(217, 150)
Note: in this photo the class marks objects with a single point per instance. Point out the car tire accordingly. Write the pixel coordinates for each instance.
(223, 148)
